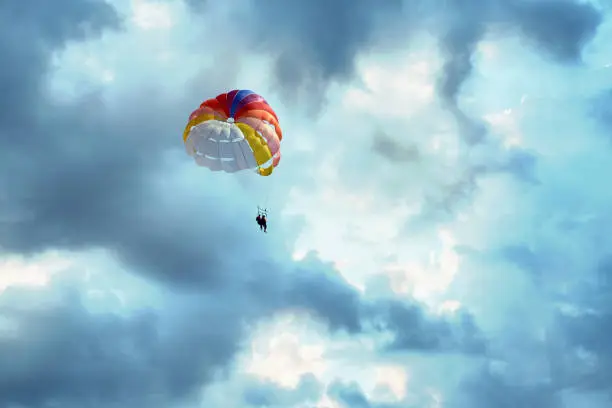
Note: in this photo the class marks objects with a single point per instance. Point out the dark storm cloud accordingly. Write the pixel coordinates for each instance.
(326, 293)
(525, 258)
(573, 356)
(315, 42)
(350, 395)
(601, 108)
(78, 190)
(325, 36)
(28, 36)
(520, 164)
(81, 175)
(82, 182)
(65, 354)
(320, 289)
(268, 395)
(491, 390)
(588, 330)
(413, 329)
(560, 28)
(394, 150)
(459, 41)
(78, 174)
(522, 256)
(472, 131)
(604, 274)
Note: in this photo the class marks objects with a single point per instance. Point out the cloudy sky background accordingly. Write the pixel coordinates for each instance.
(439, 229)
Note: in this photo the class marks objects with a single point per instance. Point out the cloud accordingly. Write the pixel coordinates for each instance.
(520, 274)
(326, 292)
(349, 395)
(524, 258)
(412, 329)
(341, 306)
(160, 356)
(307, 59)
(262, 394)
(584, 358)
(92, 175)
(65, 353)
(459, 43)
(118, 153)
(602, 108)
(560, 29)
(393, 150)
(488, 389)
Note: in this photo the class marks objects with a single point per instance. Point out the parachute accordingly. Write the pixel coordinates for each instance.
(235, 131)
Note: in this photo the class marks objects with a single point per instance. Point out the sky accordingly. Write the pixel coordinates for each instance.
(439, 223)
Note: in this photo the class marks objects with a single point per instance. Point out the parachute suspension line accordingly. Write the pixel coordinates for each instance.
(266, 199)
(264, 210)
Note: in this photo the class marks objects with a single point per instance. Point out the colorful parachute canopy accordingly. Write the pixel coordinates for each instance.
(235, 131)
